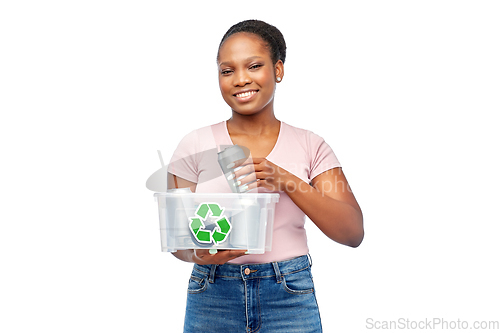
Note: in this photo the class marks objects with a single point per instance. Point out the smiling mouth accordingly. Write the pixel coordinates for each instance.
(246, 94)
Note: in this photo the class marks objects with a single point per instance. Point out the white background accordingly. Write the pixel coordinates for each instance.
(405, 92)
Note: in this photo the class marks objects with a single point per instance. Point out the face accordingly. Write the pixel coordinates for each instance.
(247, 75)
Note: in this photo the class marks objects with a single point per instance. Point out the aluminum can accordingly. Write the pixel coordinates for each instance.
(179, 203)
(246, 233)
(227, 157)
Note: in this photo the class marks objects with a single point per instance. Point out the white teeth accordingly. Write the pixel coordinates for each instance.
(246, 94)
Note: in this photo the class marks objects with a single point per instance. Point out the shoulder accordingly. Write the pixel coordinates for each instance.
(203, 133)
(303, 135)
(200, 139)
(312, 144)
(205, 130)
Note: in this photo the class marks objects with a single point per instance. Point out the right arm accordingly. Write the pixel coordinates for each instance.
(200, 256)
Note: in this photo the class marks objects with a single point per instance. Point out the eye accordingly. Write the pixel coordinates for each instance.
(226, 72)
(255, 66)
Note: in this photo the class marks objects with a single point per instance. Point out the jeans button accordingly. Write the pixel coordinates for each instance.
(247, 271)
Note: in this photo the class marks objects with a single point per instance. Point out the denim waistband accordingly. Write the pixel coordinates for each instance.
(252, 271)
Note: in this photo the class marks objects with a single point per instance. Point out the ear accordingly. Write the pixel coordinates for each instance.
(279, 70)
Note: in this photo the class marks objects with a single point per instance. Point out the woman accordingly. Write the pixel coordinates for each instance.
(231, 291)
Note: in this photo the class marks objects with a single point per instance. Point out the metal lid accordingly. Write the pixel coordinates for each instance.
(179, 190)
(235, 152)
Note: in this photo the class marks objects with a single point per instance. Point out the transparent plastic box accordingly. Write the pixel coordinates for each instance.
(216, 221)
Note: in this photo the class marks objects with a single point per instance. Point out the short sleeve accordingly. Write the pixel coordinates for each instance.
(184, 162)
(322, 156)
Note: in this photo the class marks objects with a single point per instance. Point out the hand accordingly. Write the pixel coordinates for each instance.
(262, 173)
(203, 257)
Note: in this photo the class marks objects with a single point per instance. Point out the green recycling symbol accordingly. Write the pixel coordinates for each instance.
(197, 226)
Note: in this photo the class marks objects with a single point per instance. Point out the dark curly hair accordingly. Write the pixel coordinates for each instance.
(268, 33)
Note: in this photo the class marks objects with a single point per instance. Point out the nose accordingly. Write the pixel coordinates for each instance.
(241, 78)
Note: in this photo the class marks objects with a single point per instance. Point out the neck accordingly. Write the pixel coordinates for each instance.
(254, 124)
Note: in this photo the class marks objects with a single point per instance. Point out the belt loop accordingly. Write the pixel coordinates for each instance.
(212, 274)
(277, 271)
(310, 259)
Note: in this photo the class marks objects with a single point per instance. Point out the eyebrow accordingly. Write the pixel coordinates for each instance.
(247, 60)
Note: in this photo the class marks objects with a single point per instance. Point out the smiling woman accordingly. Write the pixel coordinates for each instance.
(247, 83)
(274, 291)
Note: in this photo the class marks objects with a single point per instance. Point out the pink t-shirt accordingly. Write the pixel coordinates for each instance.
(298, 151)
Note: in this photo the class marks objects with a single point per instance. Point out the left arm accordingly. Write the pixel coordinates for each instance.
(329, 202)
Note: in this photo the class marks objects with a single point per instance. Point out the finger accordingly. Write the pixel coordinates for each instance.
(200, 253)
(244, 170)
(224, 256)
(248, 187)
(219, 253)
(267, 184)
(246, 161)
(259, 160)
(240, 168)
(245, 179)
(235, 253)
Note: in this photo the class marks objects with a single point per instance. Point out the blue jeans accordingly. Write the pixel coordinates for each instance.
(275, 297)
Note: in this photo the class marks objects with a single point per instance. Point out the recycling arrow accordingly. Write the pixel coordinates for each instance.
(222, 227)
